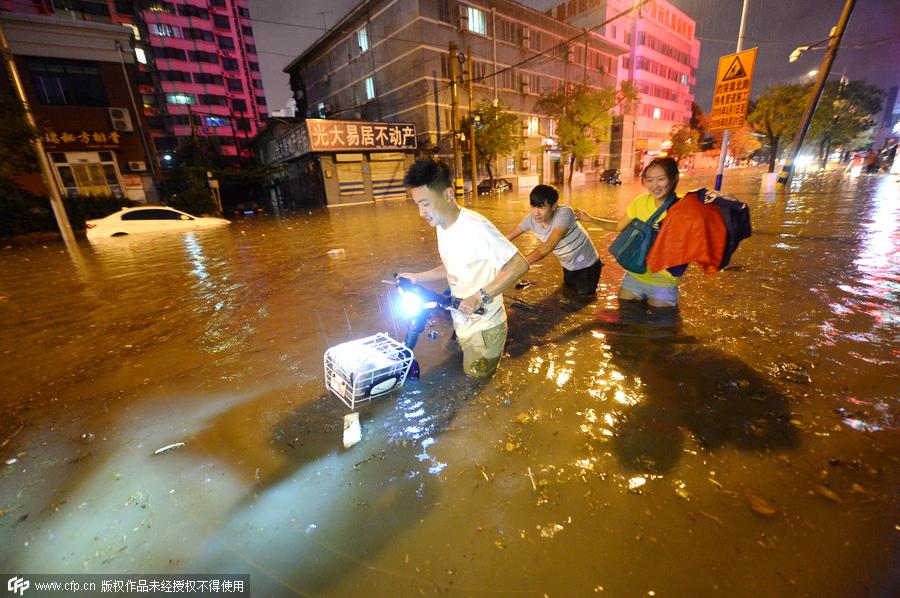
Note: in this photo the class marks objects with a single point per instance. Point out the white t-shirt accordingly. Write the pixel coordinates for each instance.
(473, 251)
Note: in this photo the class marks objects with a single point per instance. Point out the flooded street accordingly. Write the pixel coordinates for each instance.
(747, 446)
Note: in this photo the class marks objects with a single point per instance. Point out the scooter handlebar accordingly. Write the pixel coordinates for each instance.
(444, 301)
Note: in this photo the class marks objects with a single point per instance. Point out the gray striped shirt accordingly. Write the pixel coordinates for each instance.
(575, 250)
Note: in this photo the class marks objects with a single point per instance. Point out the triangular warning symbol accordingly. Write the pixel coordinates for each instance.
(735, 71)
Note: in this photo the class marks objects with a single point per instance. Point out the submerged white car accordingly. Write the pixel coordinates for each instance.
(150, 219)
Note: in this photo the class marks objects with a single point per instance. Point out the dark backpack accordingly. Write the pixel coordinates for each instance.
(735, 215)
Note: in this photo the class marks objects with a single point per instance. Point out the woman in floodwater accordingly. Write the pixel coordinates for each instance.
(658, 289)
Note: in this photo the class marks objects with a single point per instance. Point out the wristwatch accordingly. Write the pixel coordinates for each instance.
(485, 298)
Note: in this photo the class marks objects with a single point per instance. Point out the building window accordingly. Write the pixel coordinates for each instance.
(533, 126)
(140, 55)
(180, 98)
(208, 78)
(61, 82)
(362, 36)
(201, 56)
(229, 64)
(657, 113)
(163, 30)
(87, 173)
(234, 85)
(216, 121)
(221, 22)
(370, 88)
(444, 10)
(189, 10)
(208, 99)
(170, 53)
(225, 42)
(477, 24)
(239, 105)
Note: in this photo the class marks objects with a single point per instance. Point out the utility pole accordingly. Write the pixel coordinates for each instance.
(454, 115)
(720, 170)
(56, 202)
(834, 42)
(471, 119)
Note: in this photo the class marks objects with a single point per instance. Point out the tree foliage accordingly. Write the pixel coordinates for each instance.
(845, 110)
(16, 145)
(743, 142)
(685, 141)
(497, 132)
(777, 115)
(584, 115)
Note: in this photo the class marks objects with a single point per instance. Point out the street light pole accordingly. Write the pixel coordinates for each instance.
(726, 136)
(56, 202)
(471, 118)
(454, 116)
(834, 42)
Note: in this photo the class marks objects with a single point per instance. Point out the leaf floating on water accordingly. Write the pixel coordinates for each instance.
(761, 505)
(829, 494)
(715, 483)
(524, 418)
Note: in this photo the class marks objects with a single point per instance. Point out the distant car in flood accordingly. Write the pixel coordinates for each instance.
(500, 186)
(150, 219)
(610, 176)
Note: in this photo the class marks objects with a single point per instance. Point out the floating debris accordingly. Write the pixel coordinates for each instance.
(168, 447)
(761, 505)
(828, 493)
(352, 429)
(337, 253)
(549, 530)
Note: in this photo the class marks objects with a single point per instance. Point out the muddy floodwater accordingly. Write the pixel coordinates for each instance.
(745, 446)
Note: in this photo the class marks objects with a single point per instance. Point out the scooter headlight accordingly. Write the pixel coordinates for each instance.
(411, 304)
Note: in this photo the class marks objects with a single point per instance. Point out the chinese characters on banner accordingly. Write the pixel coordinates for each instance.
(80, 139)
(343, 135)
(732, 93)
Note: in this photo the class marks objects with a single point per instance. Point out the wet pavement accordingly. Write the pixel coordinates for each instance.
(746, 446)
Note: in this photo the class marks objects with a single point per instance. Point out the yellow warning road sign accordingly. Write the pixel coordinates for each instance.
(732, 94)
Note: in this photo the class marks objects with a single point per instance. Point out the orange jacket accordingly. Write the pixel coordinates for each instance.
(692, 231)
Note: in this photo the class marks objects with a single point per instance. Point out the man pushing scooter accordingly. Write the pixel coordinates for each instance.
(477, 261)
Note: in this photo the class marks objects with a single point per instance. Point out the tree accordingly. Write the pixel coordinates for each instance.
(845, 110)
(584, 117)
(497, 132)
(684, 142)
(16, 145)
(743, 142)
(700, 123)
(777, 115)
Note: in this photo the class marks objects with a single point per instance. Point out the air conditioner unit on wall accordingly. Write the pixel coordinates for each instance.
(137, 166)
(463, 17)
(120, 119)
(526, 38)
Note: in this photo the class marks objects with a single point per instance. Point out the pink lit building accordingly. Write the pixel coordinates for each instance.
(661, 61)
(197, 62)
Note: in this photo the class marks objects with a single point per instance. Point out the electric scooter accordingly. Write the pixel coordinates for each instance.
(418, 303)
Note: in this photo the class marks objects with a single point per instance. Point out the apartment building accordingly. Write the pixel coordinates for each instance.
(661, 61)
(388, 61)
(198, 71)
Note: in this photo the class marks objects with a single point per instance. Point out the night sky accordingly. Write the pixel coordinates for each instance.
(285, 29)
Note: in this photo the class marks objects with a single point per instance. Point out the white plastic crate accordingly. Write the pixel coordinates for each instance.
(360, 370)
